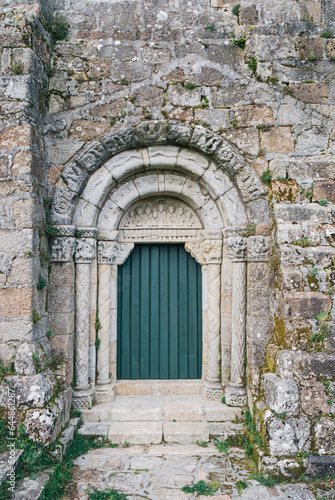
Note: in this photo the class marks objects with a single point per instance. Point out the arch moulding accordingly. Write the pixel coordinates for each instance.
(159, 182)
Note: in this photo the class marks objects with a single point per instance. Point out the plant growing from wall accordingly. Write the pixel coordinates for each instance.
(266, 176)
(17, 68)
(327, 34)
(253, 65)
(202, 488)
(236, 10)
(42, 282)
(35, 316)
(250, 230)
(303, 242)
(210, 27)
(323, 319)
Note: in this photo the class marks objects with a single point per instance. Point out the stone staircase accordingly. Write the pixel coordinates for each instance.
(154, 419)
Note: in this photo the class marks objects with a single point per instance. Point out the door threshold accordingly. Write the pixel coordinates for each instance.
(179, 387)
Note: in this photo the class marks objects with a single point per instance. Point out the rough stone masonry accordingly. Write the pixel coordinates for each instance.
(250, 89)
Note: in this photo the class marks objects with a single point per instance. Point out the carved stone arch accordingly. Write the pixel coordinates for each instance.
(155, 134)
(175, 162)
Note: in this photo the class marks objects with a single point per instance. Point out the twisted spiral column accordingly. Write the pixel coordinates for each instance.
(214, 275)
(82, 325)
(238, 322)
(104, 274)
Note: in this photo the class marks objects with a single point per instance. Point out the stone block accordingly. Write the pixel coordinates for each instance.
(313, 365)
(313, 141)
(330, 49)
(148, 96)
(312, 168)
(185, 411)
(324, 431)
(185, 432)
(304, 305)
(136, 432)
(32, 390)
(249, 14)
(310, 92)
(258, 302)
(97, 429)
(179, 96)
(16, 137)
(215, 411)
(222, 430)
(245, 139)
(135, 409)
(313, 398)
(300, 213)
(290, 114)
(215, 118)
(61, 299)
(252, 115)
(316, 466)
(281, 395)
(43, 425)
(258, 275)
(86, 130)
(289, 436)
(285, 191)
(62, 274)
(16, 302)
(309, 47)
(324, 190)
(277, 140)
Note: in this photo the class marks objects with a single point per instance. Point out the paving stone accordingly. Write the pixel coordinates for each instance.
(224, 429)
(126, 482)
(182, 464)
(185, 432)
(181, 480)
(135, 432)
(114, 463)
(135, 409)
(145, 462)
(170, 494)
(188, 411)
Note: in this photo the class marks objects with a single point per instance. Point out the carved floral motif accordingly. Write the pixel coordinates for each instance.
(111, 252)
(205, 252)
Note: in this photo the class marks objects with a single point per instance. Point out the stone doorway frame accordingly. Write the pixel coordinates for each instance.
(98, 250)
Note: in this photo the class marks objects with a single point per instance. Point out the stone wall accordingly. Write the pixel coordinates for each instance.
(262, 79)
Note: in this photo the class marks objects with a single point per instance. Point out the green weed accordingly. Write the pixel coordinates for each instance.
(210, 27)
(236, 10)
(250, 230)
(42, 283)
(109, 494)
(35, 316)
(17, 68)
(253, 65)
(267, 481)
(323, 203)
(202, 488)
(222, 446)
(327, 34)
(190, 86)
(240, 42)
(266, 176)
(303, 242)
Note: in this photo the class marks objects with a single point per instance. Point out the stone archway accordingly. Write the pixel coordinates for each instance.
(94, 207)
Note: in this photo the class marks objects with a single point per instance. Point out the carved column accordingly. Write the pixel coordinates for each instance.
(209, 253)
(235, 391)
(110, 254)
(84, 254)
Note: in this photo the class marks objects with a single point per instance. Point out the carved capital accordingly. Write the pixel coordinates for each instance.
(205, 252)
(84, 250)
(62, 249)
(258, 249)
(236, 248)
(112, 252)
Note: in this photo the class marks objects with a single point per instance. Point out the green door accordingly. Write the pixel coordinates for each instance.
(159, 314)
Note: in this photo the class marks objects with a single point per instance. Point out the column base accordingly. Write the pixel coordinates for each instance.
(104, 393)
(235, 394)
(82, 398)
(212, 391)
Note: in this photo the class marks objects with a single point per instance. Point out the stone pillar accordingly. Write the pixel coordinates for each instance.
(209, 253)
(110, 254)
(84, 254)
(235, 392)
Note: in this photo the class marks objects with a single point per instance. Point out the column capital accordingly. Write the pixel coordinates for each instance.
(236, 248)
(205, 252)
(62, 249)
(84, 250)
(112, 252)
(258, 249)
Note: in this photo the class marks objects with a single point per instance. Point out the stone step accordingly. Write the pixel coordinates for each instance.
(158, 387)
(8, 459)
(168, 408)
(136, 432)
(31, 489)
(185, 432)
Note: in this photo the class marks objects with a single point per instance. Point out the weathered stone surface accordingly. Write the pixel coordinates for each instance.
(289, 436)
(135, 432)
(189, 411)
(86, 130)
(310, 92)
(43, 425)
(301, 305)
(134, 409)
(252, 115)
(282, 396)
(33, 390)
(324, 190)
(313, 398)
(16, 302)
(325, 436)
(316, 466)
(277, 140)
(285, 191)
(185, 432)
(313, 365)
(249, 14)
